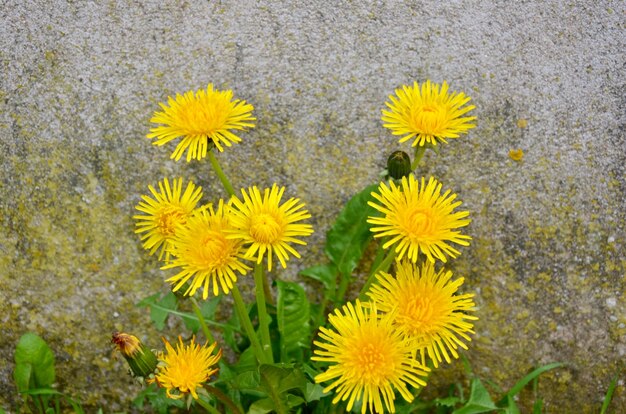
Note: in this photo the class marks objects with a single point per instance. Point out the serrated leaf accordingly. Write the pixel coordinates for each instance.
(293, 315)
(277, 379)
(479, 400)
(326, 274)
(348, 237)
(314, 392)
(34, 363)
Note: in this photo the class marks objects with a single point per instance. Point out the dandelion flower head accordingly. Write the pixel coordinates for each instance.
(183, 369)
(203, 119)
(205, 255)
(428, 310)
(168, 208)
(427, 114)
(417, 217)
(268, 227)
(369, 359)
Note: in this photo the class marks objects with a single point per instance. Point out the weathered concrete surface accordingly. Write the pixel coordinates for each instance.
(81, 79)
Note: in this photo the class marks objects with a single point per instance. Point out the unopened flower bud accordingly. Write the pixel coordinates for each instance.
(141, 360)
(399, 165)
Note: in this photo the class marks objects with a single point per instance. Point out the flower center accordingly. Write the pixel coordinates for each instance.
(205, 117)
(418, 223)
(427, 119)
(371, 359)
(213, 250)
(265, 228)
(169, 217)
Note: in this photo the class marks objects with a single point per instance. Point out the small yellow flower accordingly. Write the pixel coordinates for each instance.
(427, 114)
(170, 208)
(267, 226)
(184, 369)
(368, 358)
(202, 120)
(427, 309)
(516, 154)
(203, 251)
(418, 218)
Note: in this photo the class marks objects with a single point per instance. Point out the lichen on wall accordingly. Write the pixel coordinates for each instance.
(542, 173)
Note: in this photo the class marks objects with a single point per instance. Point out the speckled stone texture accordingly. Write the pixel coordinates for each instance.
(80, 80)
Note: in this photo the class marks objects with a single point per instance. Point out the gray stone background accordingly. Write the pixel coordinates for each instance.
(80, 80)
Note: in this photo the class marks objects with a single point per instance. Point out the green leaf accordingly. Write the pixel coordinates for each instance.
(522, 383)
(34, 363)
(277, 379)
(348, 237)
(266, 405)
(326, 274)
(511, 407)
(479, 400)
(293, 315)
(160, 308)
(609, 396)
(314, 392)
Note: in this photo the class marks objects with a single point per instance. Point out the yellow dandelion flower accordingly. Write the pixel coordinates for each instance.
(418, 218)
(184, 369)
(204, 253)
(368, 358)
(268, 226)
(202, 120)
(427, 309)
(164, 212)
(427, 114)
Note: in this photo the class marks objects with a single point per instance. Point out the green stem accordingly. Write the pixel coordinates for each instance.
(419, 153)
(223, 398)
(203, 325)
(264, 319)
(381, 268)
(343, 287)
(207, 406)
(220, 174)
(242, 313)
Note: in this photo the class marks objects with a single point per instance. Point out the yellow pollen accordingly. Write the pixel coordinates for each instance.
(371, 364)
(213, 249)
(203, 119)
(419, 223)
(264, 228)
(169, 217)
(419, 312)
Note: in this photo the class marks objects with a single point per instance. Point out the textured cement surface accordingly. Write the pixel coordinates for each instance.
(80, 80)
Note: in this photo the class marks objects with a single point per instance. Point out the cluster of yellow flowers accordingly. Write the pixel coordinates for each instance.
(413, 320)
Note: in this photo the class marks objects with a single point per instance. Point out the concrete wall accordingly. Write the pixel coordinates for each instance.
(80, 80)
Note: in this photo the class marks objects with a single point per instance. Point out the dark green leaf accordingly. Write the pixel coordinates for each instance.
(349, 236)
(522, 383)
(34, 363)
(479, 400)
(314, 392)
(293, 315)
(326, 274)
(277, 379)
